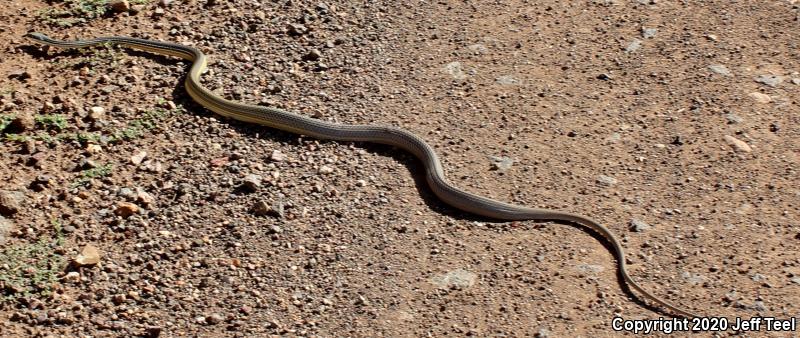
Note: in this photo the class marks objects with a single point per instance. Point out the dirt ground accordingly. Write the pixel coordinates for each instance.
(674, 123)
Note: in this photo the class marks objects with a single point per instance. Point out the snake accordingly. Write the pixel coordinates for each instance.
(388, 135)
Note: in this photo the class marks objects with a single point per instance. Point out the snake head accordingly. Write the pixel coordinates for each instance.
(37, 36)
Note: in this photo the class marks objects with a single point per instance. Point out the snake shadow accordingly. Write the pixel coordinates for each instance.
(412, 164)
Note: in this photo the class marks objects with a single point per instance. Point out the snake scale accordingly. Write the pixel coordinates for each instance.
(295, 123)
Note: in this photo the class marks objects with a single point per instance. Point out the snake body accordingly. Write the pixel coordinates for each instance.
(295, 123)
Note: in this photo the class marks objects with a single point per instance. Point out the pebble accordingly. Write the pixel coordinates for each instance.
(769, 80)
(24, 121)
(144, 197)
(606, 180)
(458, 278)
(73, 277)
(214, 319)
(733, 118)
(542, 333)
(796, 80)
(633, 46)
(94, 148)
(119, 6)
(138, 157)
(252, 182)
(313, 55)
(760, 97)
(590, 268)
(96, 114)
(478, 48)
(277, 156)
(89, 255)
(324, 169)
(455, 70)
(649, 33)
(720, 69)
(262, 208)
(507, 80)
(501, 163)
(11, 202)
(6, 227)
(639, 225)
(297, 29)
(737, 144)
(126, 209)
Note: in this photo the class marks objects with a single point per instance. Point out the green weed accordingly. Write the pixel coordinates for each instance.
(55, 121)
(89, 174)
(31, 269)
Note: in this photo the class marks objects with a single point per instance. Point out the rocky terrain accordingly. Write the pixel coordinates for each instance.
(126, 209)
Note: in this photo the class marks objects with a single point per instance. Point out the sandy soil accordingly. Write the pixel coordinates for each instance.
(674, 123)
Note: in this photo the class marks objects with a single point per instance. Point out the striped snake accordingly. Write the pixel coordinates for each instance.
(393, 136)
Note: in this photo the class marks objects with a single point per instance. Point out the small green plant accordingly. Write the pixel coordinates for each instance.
(56, 121)
(88, 174)
(5, 121)
(16, 138)
(74, 12)
(32, 269)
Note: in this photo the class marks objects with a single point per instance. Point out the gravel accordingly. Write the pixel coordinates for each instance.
(353, 251)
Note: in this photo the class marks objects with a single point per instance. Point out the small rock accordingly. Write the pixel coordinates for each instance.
(542, 333)
(19, 74)
(126, 209)
(590, 268)
(136, 9)
(274, 229)
(455, 70)
(458, 278)
(297, 29)
(119, 6)
(262, 208)
(733, 118)
(606, 180)
(94, 148)
(29, 147)
(138, 157)
(634, 46)
(507, 80)
(214, 319)
(164, 3)
(96, 114)
(796, 80)
(313, 55)
(720, 69)
(90, 255)
(277, 156)
(760, 97)
(649, 33)
(144, 197)
(73, 277)
(127, 193)
(158, 12)
(737, 144)
(639, 225)
(769, 80)
(501, 163)
(251, 182)
(324, 169)
(6, 227)
(22, 122)
(361, 183)
(10, 202)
